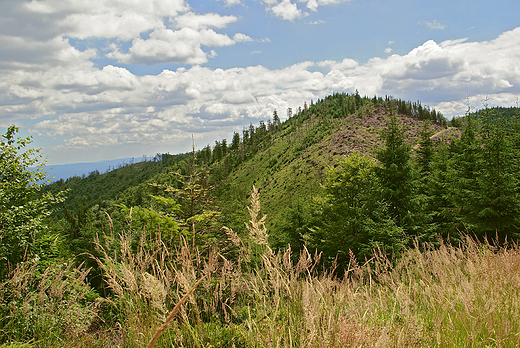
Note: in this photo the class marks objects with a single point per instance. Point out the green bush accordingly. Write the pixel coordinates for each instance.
(23, 234)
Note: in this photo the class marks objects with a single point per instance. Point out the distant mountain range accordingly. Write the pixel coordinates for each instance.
(56, 172)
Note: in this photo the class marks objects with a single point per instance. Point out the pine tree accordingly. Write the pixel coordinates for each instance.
(425, 149)
(235, 143)
(423, 215)
(224, 147)
(439, 182)
(217, 151)
(276, 120)
(465, 166)
(195, 203)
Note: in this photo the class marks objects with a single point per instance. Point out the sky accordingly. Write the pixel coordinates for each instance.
(103, 79)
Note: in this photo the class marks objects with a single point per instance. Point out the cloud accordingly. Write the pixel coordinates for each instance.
(286, 10)
(239, 37)
(232, 2)
(319, 21)
(174, 46)
(197, 21)
(435, 25)
(158, 31)
(103, 19)
(345, 64)
(313, 4)
(332, 2)
(388, 50)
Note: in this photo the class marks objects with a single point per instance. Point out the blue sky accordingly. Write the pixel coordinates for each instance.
(103, 79)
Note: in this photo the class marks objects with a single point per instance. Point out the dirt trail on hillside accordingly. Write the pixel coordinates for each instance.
(436, 135)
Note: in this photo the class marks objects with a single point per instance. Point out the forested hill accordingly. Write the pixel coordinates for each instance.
(342, 174)
(290, 161)
(494, 114)
(287, 160)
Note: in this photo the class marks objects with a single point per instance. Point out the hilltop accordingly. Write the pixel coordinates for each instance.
(286, 160)
(291, 168)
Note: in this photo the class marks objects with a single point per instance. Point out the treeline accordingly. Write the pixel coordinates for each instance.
(185, 194)
(499, 112)
(95, 187)
(387, 199)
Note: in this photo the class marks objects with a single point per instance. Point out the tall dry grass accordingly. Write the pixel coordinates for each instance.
(49, 308)
(432, 296)
(443, 296)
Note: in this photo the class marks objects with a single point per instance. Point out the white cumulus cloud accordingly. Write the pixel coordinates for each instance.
(173, 46)
(287, 10)
(198, 21)
(158, 31)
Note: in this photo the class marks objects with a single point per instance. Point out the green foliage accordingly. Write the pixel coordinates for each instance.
(294, 227)
(425, 150)
(352, 219)
(486, 185)
(498, 203)
(158, 219)
(395, 172)
(437, 185)
(169, 235)
(127, 183)
(23, 233)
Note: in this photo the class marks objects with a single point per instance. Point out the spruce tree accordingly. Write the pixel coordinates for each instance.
(351, 217)
(464, 166)
(425, 149)
(496, 203)
(439, 207)
(423, 215)
(235, 143)
(395, 173)
(276, 120)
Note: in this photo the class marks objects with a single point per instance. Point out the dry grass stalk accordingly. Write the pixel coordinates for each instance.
(49, 306)
(256, 227)
(172, 314)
